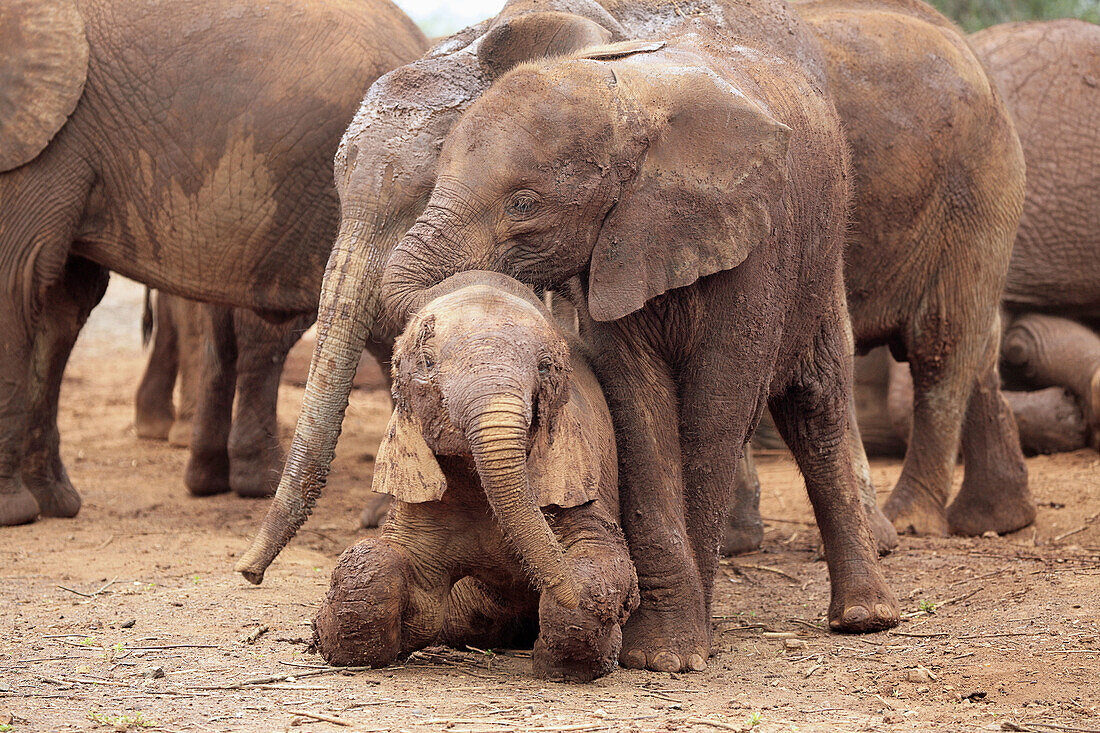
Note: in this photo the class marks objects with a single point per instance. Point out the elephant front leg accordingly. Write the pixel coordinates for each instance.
(67, 306)
(670, 631)
(584, 643)
(207, 471)
(255, 455)
(994, 496)
(811, 412)
(153, 411)
(743, 530)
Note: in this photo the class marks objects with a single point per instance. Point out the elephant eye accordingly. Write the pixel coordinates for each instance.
(427, 360)
(522, 204)
(544, 366)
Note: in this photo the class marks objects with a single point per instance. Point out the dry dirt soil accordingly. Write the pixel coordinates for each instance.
(130, 615)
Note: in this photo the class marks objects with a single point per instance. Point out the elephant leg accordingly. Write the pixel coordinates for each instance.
(375, 510)
(994, 496)
(1049, 420)
(886, 537)
(17, 503)
(191, 324)
(584, 643)
(743, 530)
(255, 455)
(488, 616)
(943, 379)
(67, 306)
(671, 630)
(812, 413)
(208, 465)
(1056, 352)
(154, 413)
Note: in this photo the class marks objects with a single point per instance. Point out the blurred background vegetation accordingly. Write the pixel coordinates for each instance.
(973, 15)
(441, 17)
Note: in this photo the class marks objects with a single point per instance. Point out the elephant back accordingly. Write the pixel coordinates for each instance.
(42, 72)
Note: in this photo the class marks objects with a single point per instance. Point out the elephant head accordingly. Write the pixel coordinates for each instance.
(385, 170)
(636, 166)
(482, 372)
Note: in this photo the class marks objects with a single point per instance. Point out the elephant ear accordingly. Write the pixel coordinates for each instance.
(565, 462)
(708, 184)
(534, 36)
(42, 73)
(405, 467)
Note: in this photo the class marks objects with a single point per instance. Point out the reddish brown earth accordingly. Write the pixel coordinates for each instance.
(999, 632)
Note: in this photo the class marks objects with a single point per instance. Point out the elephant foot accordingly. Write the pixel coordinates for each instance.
(179, 435)
(1092, 409)
(581, 644)
(739, 539)
(375, 510)
(153, 427)
(255, 476)
(915, 512)
(55, 495)
(207, 473)
(360, 620)
(862, 601)
(886, 537)
(17, 504)
(675, 639)
(975, 512)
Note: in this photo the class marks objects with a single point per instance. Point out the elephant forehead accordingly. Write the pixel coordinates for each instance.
(472, 308)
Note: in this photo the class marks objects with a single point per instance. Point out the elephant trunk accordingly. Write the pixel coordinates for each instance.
(346, 313)
(497, 433)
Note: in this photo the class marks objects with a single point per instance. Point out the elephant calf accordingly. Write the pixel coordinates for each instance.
(496, 416)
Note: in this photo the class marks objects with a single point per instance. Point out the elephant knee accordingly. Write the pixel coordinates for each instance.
(360, 620)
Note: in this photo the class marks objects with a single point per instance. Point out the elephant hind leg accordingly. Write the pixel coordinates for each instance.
(66, 308)
(153, 411)
(812, 414)
(994, 496)
(207, 470)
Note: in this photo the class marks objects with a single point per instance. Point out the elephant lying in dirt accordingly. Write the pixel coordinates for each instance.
(497, 414)
(221, 355)
(185, 145)
(714, 288)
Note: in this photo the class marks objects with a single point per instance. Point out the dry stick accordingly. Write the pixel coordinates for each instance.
(921, 636)
(1082, 528)
(318, 716)
(283, 678)
(765, 568)
(715, 723)
(1065, 727)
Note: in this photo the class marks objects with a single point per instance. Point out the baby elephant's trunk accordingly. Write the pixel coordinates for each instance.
(498, 439)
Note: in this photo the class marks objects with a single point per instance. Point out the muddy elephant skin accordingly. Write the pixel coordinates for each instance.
(590, 163)
(189, 147)
(498, 419)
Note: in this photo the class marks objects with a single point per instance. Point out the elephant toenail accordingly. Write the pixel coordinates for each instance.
(696, 663)
(883, 611)
(855, 616)
(634, 659)
(665, 662)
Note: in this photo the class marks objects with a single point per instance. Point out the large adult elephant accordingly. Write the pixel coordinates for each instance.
(1049, 76)
(939, 181)
(185, 145)
(694, 176)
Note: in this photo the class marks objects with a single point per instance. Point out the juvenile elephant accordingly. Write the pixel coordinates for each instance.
(497, 414)
(697, 184)
(185, 145)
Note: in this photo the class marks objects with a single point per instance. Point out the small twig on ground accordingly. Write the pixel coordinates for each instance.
(995, 636)
(715, 724)
(767, 569)
(919, 636)
(283, 678)
(1082, 528)
(318, 716)
(1072, 729)
(810, 625)
(252, 636)
(79, 593)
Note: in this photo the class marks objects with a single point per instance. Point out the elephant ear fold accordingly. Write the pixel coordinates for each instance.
(566, 461)
(534, 36)
(708, 187)
(405, 467)
(42, 72)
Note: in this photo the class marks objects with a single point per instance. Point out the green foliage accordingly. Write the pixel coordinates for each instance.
(974, 15)
(121, 722)
(927, 606)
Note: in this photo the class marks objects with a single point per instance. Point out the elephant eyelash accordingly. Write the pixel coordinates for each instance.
(522, 204)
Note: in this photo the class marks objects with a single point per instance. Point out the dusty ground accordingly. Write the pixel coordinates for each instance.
(1007, 629)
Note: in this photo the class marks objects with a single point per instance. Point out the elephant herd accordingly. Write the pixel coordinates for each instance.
(600, 240)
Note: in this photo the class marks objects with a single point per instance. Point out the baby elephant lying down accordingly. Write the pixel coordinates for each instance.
(501, 458)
